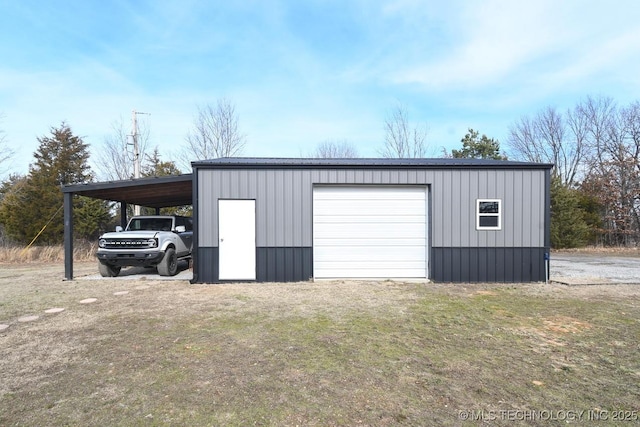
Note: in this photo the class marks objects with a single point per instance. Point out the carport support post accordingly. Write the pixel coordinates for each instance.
(68, 236)
(123, 214)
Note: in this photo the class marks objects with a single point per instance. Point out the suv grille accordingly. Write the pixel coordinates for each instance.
(128, 244)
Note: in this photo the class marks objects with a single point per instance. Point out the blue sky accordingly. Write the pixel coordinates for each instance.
(303, 72)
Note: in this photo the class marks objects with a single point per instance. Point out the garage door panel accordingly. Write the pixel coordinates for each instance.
(369, 219)
(373, 207)
(368, 193)
(371, 273)
(364, 265)
(409, 241)
(370, 232)
(372, 253)
(358, 231)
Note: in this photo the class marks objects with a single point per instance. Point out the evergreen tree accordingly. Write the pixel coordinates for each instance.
(91, 217)
(476, 147)
(61, 158)
(591, 209)
(569, 229)
(36, 204)
(156, 167)
(10, 196)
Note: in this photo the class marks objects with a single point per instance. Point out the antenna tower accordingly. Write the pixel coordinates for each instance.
(136, 150)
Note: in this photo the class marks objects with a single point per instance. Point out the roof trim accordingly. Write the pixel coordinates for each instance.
(75, 188)
(360, 163)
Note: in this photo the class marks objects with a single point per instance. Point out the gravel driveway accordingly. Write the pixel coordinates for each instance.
(142, 273)
(594, 268)
(568, 268)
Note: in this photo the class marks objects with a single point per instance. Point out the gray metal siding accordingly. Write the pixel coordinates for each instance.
(510, 265)
(284, 264)
(207, 265)
(284, 202)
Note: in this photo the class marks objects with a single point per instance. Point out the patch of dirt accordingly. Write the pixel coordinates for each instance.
(565, 325)
(484, 292)
(540, 336)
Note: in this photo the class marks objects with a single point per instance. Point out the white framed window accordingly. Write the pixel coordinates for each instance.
(488, 214)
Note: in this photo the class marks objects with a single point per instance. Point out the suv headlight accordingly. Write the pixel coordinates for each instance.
(153, 243)
(102, 243)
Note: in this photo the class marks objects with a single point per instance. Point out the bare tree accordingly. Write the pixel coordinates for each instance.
(617, 174)
(576, 155)
(552, 138)
(5, 151)
(115, 160)
(401, 140)
(215, 133)
(598, 112)
(631, 117)
(595, 147)
(335, 149)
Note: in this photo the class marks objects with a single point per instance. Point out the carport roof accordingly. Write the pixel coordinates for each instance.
(153, 192)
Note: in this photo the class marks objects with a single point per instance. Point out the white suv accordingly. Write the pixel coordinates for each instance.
(159, 240)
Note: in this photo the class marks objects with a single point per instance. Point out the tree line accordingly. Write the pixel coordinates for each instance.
(594, 146)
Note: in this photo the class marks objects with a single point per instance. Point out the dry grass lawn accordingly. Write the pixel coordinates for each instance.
(327, 353)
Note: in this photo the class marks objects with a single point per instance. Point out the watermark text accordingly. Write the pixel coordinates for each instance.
(548, 415)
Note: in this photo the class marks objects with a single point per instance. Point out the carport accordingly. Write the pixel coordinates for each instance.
(153, 192)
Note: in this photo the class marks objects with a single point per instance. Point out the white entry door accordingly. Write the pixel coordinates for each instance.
(237, 239)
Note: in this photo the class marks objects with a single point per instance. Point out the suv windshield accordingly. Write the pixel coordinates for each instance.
(154, 224)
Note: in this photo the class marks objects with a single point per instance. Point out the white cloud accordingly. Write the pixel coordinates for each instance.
(506, 42)
(496, 39)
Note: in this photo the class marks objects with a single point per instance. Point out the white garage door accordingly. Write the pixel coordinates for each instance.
(370, 232)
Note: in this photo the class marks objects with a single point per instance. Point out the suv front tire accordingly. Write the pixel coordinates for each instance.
(169, 264)
(107, 270)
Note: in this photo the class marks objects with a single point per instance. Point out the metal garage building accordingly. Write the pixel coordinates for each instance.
(448, 220)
